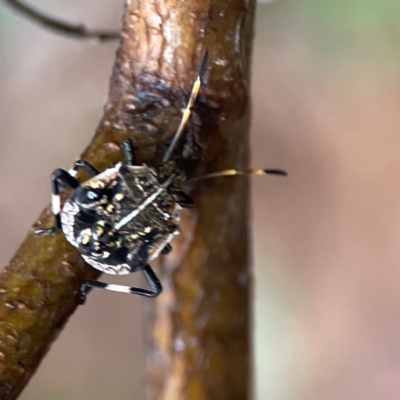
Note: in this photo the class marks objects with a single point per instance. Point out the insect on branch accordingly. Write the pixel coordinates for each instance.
(206, 303)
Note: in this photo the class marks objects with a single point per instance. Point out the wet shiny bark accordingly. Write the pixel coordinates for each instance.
(200, 328)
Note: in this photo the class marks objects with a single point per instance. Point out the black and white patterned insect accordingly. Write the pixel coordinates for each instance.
(124, 217)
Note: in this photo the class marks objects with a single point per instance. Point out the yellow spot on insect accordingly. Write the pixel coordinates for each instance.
(118, 196)
(99, 230)
(106, 254)
(111, 244)
(134, 236)
(85, 239)
(110, 208)
(147, 229)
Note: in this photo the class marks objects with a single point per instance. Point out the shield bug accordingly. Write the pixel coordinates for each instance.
(124, 217)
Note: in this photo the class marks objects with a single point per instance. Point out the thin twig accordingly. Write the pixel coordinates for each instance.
(75, 31)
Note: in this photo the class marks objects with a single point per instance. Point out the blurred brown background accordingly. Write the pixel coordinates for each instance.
(326, 101)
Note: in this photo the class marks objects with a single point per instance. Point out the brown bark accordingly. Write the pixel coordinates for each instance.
(200, 343)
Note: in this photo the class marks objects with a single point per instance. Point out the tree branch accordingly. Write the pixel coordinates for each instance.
(200, 346)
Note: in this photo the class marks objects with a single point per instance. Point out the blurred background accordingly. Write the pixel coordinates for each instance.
(326, 107)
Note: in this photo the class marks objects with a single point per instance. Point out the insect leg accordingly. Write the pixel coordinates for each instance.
(167, 248)
(58, 178)
(151, 279)
(77, 31)
(89, 169)
(183, 200)
(127, 148)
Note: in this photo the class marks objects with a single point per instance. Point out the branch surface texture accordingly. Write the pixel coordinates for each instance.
(200, 326)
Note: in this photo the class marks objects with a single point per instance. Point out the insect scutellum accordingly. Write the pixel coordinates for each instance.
(124, 217)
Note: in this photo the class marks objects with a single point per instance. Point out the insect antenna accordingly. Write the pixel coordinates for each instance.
(187, 110)
(235, 172)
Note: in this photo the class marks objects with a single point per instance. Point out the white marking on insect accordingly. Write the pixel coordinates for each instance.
(55, 204)
(118, 288)
(142, 206)
(73, 172)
